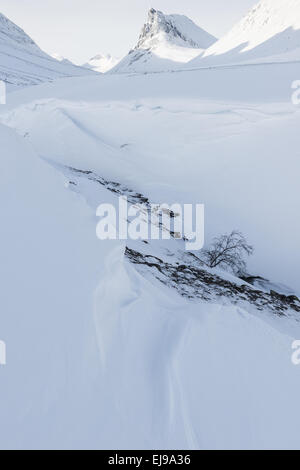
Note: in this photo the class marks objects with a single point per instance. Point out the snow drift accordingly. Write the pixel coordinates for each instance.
(101, 354)
(99, 357)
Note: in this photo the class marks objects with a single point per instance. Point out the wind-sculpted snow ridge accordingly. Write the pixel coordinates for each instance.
(102, 355)
(197, 283)
(23, 63)
(132, 196)
(136, 365)
(270, 32)
(239, 144)
(184, 271)
(166, 42)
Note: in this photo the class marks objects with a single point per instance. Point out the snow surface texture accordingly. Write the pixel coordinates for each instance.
(23, 63)
(102, 352)
(225, 131)
(101, 63)
(270, 32)
(166, 42)
(99, 357)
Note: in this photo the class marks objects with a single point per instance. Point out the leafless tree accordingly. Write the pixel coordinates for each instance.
(228, 251)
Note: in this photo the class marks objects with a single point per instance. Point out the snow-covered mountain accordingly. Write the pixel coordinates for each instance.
(165, 42)
(23, 63)
(270, 32)
(61, 58)
(101, 63)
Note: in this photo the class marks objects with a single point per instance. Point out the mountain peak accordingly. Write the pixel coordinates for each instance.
(269, 32)
(178, 29)
(165, 42)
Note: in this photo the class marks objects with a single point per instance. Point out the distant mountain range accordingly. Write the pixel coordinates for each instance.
(270, 32)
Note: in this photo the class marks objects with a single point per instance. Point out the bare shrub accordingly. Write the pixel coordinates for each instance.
(228, 252)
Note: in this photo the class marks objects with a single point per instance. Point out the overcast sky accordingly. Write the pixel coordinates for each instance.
(80, 29)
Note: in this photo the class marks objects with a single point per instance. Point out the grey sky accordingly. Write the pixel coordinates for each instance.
(80, 29)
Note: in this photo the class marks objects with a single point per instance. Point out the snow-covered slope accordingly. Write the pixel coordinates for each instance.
(100, 357)
(23, 63)
(166, 42)
(43, 315)
(125, 344)
(61, 58)
(101, 63)
(225, 131)
(270, 32)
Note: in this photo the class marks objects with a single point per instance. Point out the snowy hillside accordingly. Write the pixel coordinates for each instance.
(23, 63)
(138, 343)
(270, 32)
(101, 63)
(140, 347)
(166, 41)
(223, 116)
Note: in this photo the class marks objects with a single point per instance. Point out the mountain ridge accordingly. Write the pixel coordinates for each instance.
(165, 42)
(270, 31)
(23, 63)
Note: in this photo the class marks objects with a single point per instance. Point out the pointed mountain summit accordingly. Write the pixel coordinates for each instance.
(270, 32)
(176, 29)
(165, 43)
(23, 63)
